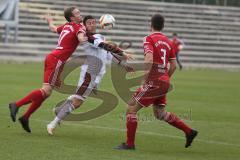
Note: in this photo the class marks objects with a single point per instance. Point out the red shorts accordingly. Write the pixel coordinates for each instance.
(52, 70)
(153, 92)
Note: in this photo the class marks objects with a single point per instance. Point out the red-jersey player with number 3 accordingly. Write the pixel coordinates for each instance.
(158, 52)
(70, 35)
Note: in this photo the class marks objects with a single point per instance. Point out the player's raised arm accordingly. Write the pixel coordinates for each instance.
(51, 26)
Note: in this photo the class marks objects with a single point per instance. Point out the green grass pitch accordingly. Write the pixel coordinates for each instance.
(208, 100)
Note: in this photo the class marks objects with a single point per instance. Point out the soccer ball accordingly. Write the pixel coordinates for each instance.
(107, 21)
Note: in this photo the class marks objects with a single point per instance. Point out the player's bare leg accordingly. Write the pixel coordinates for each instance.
(131, 124)
(174, 120)
(63, 111)
(36, 97)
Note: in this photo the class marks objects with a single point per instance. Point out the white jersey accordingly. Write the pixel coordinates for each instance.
(95, 66)
(97, 58)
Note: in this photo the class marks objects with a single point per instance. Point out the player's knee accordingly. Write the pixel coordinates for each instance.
(131, 110)
(160, 113)
(47, 91)
(131, 102)
(161, 116)
(76, 102)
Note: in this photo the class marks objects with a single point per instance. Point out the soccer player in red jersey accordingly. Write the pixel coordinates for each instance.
(158, 52)
(178, 45)
(95, 65)
(70, 35)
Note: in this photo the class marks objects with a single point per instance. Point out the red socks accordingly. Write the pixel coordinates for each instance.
(170, 118)
(131, 128)
(36, 97)
(173, 120)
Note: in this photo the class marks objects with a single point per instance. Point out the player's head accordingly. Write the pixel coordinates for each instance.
(72, 14)
(90, 24)
(174, 34)
(157, 22)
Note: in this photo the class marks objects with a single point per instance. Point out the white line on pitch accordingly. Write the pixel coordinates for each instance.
(140, 132)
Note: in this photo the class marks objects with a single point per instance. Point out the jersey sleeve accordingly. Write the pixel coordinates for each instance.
(109, 57)
(97, 40)
(147, 45)
(60, 28)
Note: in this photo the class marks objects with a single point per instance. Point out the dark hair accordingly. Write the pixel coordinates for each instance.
(175, 34)
(68, 13)
(157, 22)
(87, 18)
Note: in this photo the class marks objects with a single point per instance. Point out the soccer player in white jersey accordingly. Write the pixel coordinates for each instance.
(96, 63)
(106, 58)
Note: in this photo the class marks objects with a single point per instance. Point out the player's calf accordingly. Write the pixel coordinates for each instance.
(160, 113)
(175, 121)
(77, 102)
(63, 111)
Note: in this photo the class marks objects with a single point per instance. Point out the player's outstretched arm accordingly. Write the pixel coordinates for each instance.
(51, 26)
(111, 47)
(173, 67)
(123, 64)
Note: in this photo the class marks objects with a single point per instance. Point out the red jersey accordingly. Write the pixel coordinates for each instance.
(176, 43)
(68, 40)
(161, 48)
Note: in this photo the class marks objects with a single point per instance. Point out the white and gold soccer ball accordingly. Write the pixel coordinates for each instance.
(107, 21)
